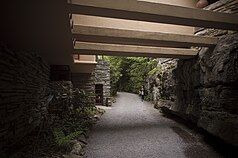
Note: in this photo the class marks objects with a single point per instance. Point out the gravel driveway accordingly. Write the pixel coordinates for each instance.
(134, 129)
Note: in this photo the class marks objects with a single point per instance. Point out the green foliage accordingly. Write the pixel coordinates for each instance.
(76, 120)
(72, 121)
(149, 97)
(116, 72)
(129, 73)
(73, 124)
(90, 111)
(63, 140)
(155, 70)
(70, 115)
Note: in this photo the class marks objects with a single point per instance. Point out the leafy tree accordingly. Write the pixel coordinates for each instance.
(129, 73)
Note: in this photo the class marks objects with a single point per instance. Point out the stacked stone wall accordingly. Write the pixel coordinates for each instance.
(86, 82)
(102, 76)
(24, 79)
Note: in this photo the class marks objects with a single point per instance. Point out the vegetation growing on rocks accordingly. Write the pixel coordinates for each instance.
(128, 74)
(70, 115)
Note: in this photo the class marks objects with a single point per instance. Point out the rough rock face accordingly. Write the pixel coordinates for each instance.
(207, 87)
(187, 78)
(219, 96)
(160, 86)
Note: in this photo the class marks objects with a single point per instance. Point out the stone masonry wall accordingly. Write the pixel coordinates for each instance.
(24, 79)
(85, 81)
(102, 76)
(207, 86)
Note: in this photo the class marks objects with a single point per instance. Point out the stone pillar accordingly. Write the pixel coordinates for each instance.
(102, 76)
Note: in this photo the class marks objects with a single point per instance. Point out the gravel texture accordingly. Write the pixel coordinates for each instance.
(134, 129)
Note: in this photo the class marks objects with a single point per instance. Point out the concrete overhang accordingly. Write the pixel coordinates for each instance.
(82, 68)
(155, 12)
(87, 48)
(85, 33)
(84, 64)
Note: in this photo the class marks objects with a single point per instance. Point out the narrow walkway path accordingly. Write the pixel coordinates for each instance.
(134, 129)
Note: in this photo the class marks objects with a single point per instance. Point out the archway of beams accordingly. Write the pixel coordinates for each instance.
(97, 40)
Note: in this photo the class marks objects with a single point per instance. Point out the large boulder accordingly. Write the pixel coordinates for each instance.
(207, 89)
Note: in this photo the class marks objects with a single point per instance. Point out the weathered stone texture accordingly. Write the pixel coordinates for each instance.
(102, 76)
(220, 66)
(219, 91)
(225, 6)
(207, 87)
(187, 78)
(160, 86)
(85, 81)
(23, 92)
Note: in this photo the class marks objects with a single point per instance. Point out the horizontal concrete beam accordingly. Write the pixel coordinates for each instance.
(87, 48)
(131, 37)
(155, 12)
(85, 62)
(82, 68)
